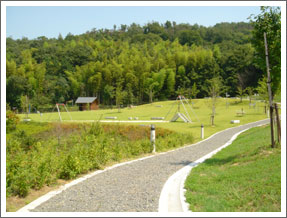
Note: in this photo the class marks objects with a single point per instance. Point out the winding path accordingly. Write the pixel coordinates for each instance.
(136, 186)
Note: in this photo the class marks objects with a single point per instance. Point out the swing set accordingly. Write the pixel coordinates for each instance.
(58, 109)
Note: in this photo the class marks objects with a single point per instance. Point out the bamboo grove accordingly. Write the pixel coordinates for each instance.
(133, 64)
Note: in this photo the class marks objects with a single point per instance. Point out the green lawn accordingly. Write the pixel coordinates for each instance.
(244, 177)
(200, 115)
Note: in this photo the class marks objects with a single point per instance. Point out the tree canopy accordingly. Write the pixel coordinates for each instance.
(269, 22)
(133, 64)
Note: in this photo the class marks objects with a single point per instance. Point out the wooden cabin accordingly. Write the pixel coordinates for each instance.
(87, 103)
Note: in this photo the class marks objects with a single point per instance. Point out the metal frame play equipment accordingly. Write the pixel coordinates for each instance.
(58, 109)
(185, 116)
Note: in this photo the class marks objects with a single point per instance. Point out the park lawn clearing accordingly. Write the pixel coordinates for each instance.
(201, 108)
(243, 177)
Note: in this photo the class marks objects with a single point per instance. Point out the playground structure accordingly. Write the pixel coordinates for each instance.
(185, 116)
(58, 109)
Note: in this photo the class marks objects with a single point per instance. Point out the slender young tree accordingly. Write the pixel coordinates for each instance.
(214, 90)
(249, 91)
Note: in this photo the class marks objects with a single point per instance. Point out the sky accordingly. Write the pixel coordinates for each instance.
(50, 21)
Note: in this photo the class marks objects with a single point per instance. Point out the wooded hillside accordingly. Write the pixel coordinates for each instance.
(132, 64)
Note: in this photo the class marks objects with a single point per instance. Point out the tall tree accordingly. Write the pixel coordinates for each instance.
(268, 21)
(120, 95)
(194, 90)
(109, 93)
(150, 87)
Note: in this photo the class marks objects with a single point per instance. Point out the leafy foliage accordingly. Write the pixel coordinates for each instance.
(11, 120)
(153, 62)
(40, 158)
(269, 21)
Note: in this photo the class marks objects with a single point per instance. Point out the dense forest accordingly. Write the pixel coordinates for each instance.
(132, 64)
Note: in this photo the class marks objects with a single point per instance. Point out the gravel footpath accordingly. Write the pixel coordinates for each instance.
(134, 187)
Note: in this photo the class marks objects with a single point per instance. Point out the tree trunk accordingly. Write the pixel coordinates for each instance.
(278, 124)
(269, 91)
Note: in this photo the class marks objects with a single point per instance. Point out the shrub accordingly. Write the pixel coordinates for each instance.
(17, 174)
(27, 141)
(69, 168)
(11, 120)
(34, 161)
(21, 185)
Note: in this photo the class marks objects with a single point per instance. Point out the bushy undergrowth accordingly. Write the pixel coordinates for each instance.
(12, 120)
(64, 151)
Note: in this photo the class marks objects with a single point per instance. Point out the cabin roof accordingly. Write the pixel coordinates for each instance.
(85, 100)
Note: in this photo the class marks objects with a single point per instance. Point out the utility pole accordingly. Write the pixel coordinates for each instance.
(269, 92)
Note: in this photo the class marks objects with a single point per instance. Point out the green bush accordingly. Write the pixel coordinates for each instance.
(33, 163)
(21, 185)
(27, 141)
(12, 120)
(69, 168)
(17, 174)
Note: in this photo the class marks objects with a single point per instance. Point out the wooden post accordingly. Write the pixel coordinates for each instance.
(202, 131)
(269, 92)
(278, 124)
(152, 137)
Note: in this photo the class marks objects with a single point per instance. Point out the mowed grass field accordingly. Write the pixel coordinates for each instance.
(243, 177)
(200, 114)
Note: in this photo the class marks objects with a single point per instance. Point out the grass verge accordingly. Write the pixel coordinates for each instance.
(244, 177)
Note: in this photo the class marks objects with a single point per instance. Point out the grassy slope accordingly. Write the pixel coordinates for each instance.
(201, 109)
(244, 177)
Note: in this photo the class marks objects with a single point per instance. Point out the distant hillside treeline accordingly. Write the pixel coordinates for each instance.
(131, 64)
